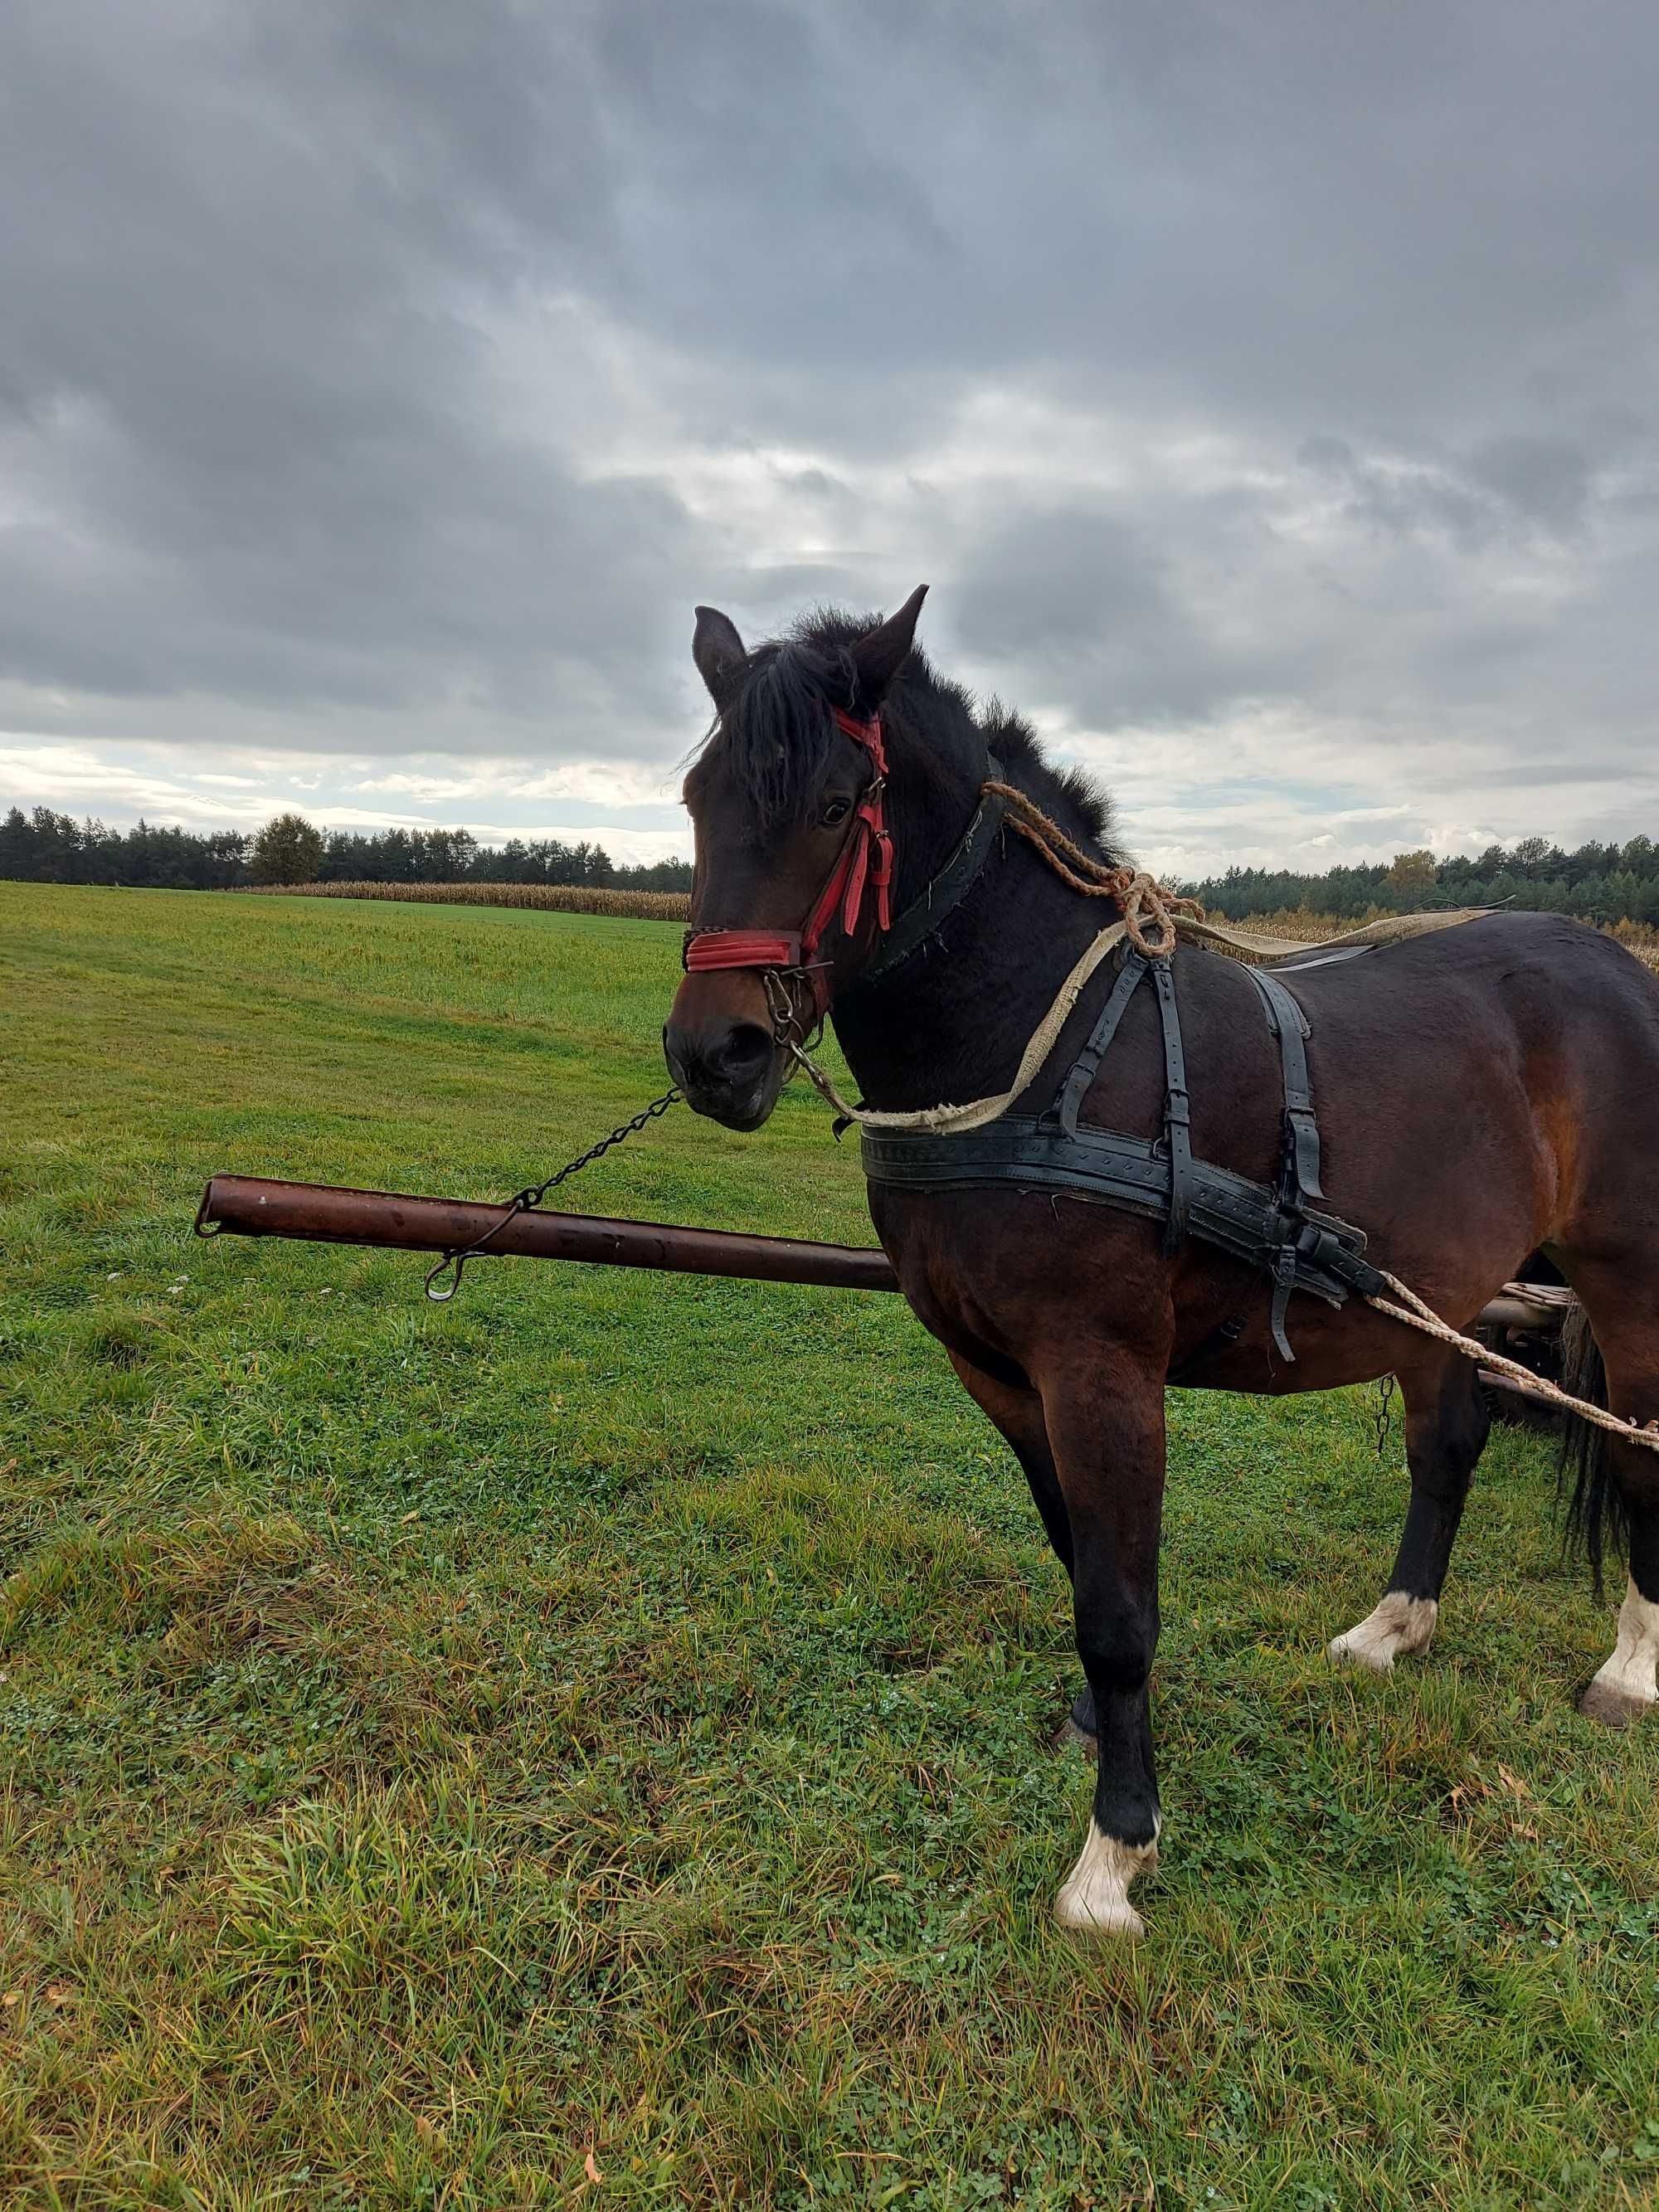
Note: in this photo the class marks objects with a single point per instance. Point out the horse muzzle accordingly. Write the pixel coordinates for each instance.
(724, 1059)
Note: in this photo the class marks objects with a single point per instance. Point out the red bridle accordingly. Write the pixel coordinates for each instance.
(864, 862)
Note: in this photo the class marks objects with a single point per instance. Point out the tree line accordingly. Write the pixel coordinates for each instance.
(1597, 883)
(44, 847)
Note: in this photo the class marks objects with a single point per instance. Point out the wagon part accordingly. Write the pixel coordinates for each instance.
(1536, 1306)
(250, 1206)
(1532, 1404)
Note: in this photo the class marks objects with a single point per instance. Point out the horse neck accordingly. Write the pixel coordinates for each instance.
(952, 1021)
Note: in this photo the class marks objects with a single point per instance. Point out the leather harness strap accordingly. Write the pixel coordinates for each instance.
(1087, 1061)
(1177, 1113)
(1289, 1024)
(1132, 1173)
(946, 891)
(1275, 1230)
(707, 949)
(1298, 1174)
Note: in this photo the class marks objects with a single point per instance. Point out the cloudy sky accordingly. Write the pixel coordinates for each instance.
(1268, 394)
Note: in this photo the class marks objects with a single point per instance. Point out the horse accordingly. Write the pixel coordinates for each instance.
(1487, 1092)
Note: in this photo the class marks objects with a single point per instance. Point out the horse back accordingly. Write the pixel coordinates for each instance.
(1483, 1075)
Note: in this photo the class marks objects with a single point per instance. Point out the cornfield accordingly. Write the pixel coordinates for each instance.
(1298, 926)
(553, 898)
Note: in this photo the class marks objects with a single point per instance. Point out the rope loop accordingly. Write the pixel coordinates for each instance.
(1149, 908)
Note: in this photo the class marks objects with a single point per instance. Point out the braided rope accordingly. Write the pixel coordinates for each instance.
(977, 1111)
(1142, 897)
(1412, 1310)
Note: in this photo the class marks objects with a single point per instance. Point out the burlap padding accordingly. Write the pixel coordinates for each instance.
(1263, 951)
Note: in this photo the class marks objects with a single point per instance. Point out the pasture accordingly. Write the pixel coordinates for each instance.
(592, 1741)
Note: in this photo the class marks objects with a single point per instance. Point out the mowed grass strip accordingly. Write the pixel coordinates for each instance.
(600, 1727)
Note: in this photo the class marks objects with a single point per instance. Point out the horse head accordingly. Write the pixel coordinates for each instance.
(792, 886)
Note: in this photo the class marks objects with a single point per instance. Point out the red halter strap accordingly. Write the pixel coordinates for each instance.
(739, 948)
(852, 869)
(864, 861)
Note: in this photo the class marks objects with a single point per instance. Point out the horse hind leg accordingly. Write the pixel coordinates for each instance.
(1446, 1425)
(1617, 1488)
(1622, 1689)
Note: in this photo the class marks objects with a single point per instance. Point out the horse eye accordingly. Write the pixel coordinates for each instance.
(836, 810)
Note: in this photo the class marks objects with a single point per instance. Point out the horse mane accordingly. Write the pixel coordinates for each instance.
(776, 736)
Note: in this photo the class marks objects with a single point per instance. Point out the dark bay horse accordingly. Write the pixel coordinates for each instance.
(1484, 1093)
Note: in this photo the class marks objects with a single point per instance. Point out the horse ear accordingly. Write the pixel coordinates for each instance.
(879, 654)
(717, 651)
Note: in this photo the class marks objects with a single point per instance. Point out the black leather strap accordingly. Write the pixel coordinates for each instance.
(1177, 1113)
(1240, 1217)
(944, 892)
(1289, 1024)
(1283, 1272)
(1087, 1061)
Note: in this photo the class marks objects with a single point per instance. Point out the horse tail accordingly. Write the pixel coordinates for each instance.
(1596, 1508)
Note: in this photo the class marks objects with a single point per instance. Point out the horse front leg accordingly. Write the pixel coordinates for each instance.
(1105, 1423)
(1018, 1414)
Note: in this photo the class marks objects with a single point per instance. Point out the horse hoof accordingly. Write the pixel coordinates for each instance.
(1347, 1652)
(1119, 1923)
(1612, 1708)
(1095, 1901)
(1398, 1626)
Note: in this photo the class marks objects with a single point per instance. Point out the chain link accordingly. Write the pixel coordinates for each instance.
(1381, 1409)
(523, 1202)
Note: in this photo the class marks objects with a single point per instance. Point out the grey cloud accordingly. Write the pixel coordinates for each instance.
(1345, 306)
(1547, 479)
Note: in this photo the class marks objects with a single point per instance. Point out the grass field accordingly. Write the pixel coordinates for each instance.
(590, 1742)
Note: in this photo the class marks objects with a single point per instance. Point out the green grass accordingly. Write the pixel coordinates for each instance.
(609, 1717)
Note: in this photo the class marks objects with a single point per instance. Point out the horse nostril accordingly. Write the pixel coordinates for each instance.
(673, 1054)
(743, 1054)
(733, 1059)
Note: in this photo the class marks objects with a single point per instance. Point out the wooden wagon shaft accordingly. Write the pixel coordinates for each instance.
(248, 1206)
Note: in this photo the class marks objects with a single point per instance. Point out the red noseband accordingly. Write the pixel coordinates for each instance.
(864, 862)
(739, 948)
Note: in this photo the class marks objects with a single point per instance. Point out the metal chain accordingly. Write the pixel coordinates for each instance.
(1380, 1411)
(532, 1195)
